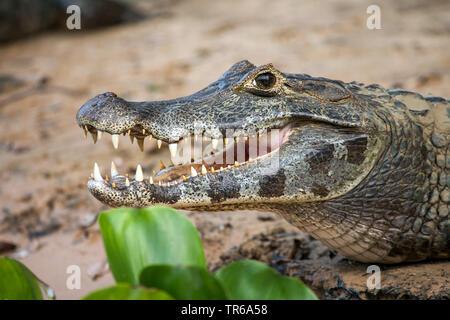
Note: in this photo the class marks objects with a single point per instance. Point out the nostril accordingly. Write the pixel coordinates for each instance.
(110, 95)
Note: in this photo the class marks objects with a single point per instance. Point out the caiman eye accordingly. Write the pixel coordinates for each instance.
(265, 80)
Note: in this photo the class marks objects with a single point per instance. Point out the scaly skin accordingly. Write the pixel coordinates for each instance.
(361, 168)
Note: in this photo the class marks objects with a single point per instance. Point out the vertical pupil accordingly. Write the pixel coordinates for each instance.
(265, 80)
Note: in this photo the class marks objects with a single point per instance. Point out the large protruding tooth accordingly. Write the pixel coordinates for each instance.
(85, 131)
(140, 143)
(97, 174)
(214, 143)
(193, 172)
(151, 180)
(94, 136)
(226, 141)
(150, 137)
(131, 139)
(159, 144)
(99, 134)
(115, 140)
(114, 171)
(163, 166)
(204, 171)
(127, 182)
(173, 149)
(139, 174)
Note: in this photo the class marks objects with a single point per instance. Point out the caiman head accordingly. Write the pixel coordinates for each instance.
(255, 138)
(345, 162)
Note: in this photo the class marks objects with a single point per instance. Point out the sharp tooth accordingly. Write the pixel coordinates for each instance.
(97, 174)
(129, 132)
(159, 183)
(226, 141)
(212, 170)
(151, 180)
(115, 140)
(150, 137)
(85, 131)
(246, 138)
(236, 163)
(131, 139)
(173, 149)
(159, 144)
(184, 178)
(204, 171)
(221, 169)
(195, 137)
(92, 176)
(113, 185)
(163, 166)
(106, 178)
(114, 171)
(236, 139)
(229, 167)
(193, 172)
(143, 131)
(214, 143)
(127, 182)
(99, 134)
(94, 136)
(140, 143)
(139, 173)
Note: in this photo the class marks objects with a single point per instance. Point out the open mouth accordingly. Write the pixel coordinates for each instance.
(193, 155)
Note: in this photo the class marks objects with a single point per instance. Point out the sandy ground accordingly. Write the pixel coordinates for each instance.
(45, 161)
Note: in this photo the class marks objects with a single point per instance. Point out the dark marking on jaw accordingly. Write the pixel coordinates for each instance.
(320, 160)
(223, 188)
(165, 195)
(319, 190)
(356, 149)
(272, 186)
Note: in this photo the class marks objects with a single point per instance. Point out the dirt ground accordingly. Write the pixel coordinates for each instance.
(45, 208)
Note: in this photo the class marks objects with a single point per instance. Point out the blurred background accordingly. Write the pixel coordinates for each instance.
(161, 49)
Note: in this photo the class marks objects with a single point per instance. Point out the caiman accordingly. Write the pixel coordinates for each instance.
(361, 168)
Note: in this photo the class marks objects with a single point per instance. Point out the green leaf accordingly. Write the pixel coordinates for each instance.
(183, 283)
(125, 291)
(249, 279)
(136, 238)
(17, 282)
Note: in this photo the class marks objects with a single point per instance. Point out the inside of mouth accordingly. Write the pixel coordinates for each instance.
(236, 152)
(196, 155)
